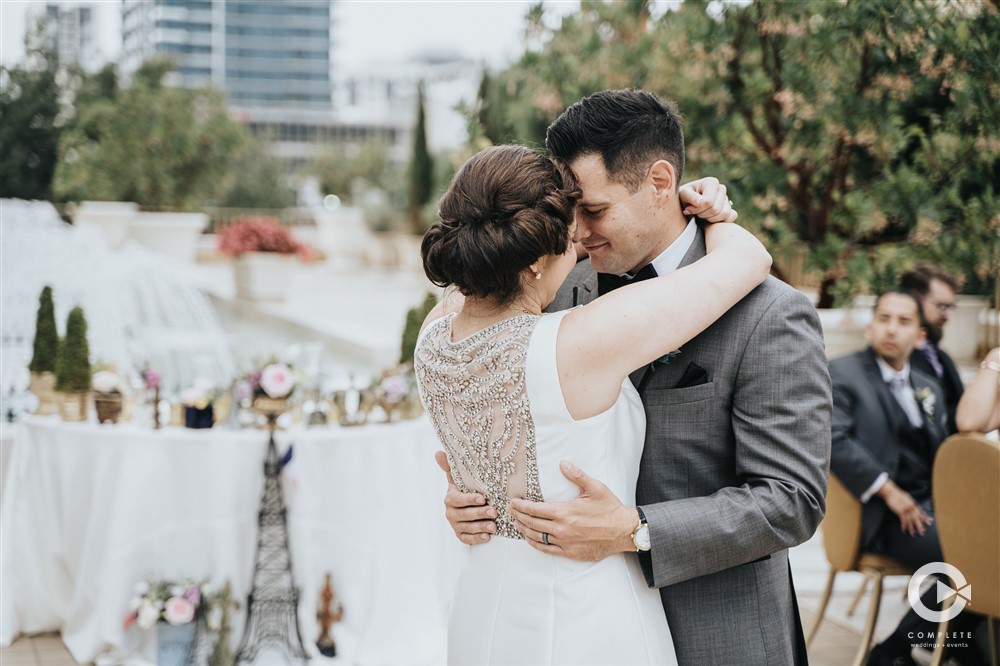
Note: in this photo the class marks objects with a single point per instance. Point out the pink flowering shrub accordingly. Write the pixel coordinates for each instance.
(259, 234)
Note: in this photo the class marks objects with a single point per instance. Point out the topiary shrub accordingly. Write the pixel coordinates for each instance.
(414, 319)
(73, 368)
(46, 345)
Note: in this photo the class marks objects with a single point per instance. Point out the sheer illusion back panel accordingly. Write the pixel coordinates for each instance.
(475, 394)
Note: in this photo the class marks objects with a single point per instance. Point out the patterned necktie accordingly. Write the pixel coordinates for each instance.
(906, 400)
(609, 282)
(929, 350)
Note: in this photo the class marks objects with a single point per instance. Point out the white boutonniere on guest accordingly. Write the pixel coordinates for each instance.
(925, 396)
(665, 359)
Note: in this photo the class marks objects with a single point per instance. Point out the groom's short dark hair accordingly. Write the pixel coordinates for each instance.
(629, 129)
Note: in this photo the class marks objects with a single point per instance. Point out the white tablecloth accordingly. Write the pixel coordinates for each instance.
(90, 510)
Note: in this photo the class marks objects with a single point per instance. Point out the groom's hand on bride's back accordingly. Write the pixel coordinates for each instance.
(467, 513)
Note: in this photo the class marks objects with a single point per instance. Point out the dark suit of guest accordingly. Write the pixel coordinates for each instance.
(872, 435)
(934, 361)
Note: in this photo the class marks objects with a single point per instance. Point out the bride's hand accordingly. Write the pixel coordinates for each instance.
(706, 199)
(467, 513)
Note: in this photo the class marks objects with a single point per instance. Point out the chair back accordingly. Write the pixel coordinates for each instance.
(966, 483)
(841, 527)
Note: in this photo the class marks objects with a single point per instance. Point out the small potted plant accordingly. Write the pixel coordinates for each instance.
(73, 369)
(198, 409)
(263, 252)
(45, 352)
(107, 396)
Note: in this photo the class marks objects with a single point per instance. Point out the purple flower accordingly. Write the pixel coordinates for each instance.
(193, 595)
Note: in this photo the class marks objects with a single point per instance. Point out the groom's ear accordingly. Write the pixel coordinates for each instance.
(663, 180)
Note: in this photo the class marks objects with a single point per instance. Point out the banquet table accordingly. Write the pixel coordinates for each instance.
(89, 510)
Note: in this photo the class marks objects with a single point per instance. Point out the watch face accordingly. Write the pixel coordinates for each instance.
(642, 538)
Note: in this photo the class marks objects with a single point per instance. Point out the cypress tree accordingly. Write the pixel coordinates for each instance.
(46, 345)
(421, 167)
(73, 367)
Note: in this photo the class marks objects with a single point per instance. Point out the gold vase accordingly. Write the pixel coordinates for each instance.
(73, 406)
(43, 385)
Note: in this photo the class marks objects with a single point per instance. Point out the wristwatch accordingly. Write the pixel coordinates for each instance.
(640, 535)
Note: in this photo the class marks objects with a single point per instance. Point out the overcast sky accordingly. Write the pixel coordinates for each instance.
(366, 30)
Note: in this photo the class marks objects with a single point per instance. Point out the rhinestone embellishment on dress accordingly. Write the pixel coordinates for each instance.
(475, 395)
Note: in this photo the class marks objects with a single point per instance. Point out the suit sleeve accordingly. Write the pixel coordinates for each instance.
(851, 461)
(781, 424)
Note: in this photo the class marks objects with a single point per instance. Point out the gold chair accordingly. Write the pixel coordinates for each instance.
(842, 542)
(966, 482)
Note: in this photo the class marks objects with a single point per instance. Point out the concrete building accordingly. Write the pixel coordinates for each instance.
(69, 32)
(261, 54)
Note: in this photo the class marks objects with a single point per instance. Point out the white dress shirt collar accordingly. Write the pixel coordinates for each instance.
(889, 373)
(670, 259)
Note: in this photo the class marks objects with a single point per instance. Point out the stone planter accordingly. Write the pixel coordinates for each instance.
(263, 276)
(172, 234)
(73, 406)
(109, 407)
(962, 332)
(43, 385)
(110, 218)
(174, 643)
(343, 234)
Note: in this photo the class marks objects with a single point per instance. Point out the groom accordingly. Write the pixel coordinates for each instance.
(737, 449)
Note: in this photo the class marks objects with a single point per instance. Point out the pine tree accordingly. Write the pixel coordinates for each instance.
(421, 167)
(46, 346)
(73, 367)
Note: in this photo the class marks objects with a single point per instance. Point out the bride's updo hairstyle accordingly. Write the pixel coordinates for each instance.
(507, 207)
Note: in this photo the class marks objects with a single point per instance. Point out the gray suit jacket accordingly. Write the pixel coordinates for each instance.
(867, 420)
(734, 472)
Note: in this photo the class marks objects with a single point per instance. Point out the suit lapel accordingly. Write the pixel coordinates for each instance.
(891, 406)
(694, 253)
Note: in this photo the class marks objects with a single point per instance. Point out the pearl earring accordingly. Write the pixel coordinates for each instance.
(538, 275)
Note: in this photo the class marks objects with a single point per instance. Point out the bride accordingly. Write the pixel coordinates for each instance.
(511, 392)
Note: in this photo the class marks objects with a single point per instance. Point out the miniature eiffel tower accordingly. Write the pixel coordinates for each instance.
(273, 602)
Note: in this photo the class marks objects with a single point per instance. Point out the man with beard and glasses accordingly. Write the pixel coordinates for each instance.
(936, 290)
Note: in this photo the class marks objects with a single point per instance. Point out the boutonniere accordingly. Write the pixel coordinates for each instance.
(925, 396)
(665, 359)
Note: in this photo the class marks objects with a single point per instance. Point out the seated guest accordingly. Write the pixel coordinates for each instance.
(888, 421)
(979, 408)
(936, 290)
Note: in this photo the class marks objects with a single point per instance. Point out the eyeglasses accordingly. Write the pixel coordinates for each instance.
(944, 307)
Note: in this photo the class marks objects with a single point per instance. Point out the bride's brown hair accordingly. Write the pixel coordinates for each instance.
(507, 207)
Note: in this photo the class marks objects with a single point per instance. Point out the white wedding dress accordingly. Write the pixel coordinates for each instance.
(496, 403)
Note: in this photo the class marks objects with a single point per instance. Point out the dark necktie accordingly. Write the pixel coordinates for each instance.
(929, 350)
(609, 282)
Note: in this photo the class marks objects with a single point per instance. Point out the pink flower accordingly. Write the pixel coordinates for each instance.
(277, 380)
(152, 378)
(178, 610)
(258, 234)
(130, 620)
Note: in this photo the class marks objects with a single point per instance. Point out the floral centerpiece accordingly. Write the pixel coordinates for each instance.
(107, 387)
(393, 389)
(263, 251)
(175, 606)
(270, 387)
(198, 401)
